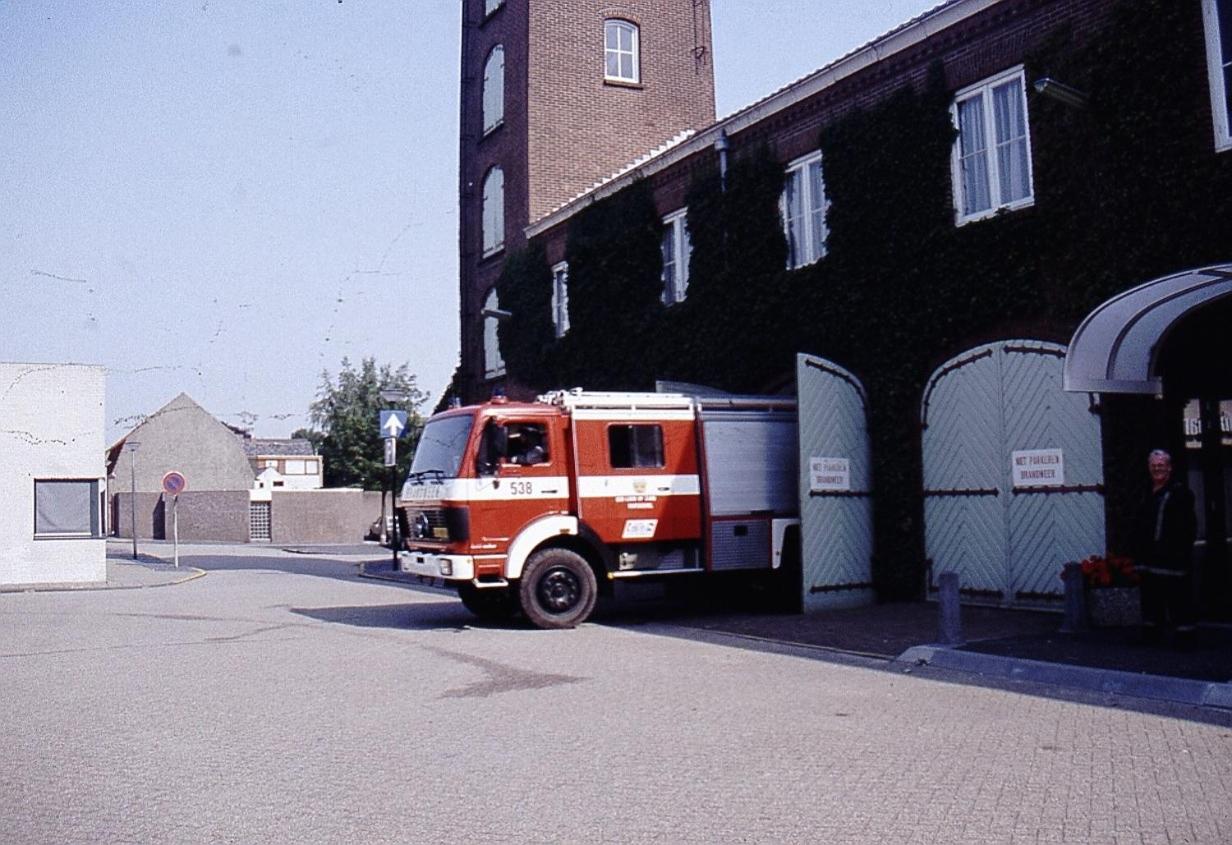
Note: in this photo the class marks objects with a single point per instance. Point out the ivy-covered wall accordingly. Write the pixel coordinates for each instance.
(1126, 190)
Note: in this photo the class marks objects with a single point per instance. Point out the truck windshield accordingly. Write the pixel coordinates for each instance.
(440, 447)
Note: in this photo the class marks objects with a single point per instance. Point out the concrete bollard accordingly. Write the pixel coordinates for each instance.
(1075, 599)
(951, 609)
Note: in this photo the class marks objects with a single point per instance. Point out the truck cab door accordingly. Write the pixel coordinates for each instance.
(521, 468)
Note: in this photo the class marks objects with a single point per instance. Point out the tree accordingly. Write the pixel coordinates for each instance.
(346, 414)
(311, 435)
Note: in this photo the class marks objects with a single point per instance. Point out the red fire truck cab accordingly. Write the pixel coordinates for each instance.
(533, 506)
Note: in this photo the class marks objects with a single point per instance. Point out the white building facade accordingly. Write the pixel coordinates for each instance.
(52, 475)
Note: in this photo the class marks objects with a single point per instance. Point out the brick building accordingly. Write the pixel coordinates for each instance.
(556, 95)
(1005, 222)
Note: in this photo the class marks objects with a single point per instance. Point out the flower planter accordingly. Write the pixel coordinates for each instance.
(1114, 607)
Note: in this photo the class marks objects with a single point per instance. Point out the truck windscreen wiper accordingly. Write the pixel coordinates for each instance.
(436, 474)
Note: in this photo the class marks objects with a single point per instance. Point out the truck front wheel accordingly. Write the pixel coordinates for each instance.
(558, 589)
(495, 604)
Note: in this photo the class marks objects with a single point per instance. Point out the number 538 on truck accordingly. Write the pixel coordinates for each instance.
(537, 506)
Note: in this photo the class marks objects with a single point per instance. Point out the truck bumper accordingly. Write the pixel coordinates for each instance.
(431, 565)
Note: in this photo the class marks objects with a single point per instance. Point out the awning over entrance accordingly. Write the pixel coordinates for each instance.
(1115, 350)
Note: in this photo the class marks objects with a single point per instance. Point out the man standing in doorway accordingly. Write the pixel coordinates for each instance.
(1165, 531)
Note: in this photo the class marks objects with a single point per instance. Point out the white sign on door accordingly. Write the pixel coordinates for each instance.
(829, 475)
(1038, 468)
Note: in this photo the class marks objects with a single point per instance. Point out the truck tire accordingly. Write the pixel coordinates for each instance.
(558, 589)
(493, 604)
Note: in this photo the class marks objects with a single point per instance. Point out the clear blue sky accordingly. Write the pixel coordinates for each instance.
(226, 198)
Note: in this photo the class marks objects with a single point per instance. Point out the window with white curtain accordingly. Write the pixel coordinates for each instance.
(493, 363)
(67, 508)
(560, 298)
(992, 153)
(493, 211)
(803, 206)
(676, 251)
(494, 89)
(1217, 18)
(620, 51)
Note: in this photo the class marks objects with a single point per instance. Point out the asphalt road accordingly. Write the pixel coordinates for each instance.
(281, 699)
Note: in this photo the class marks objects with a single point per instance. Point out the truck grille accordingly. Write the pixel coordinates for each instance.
(427, 524)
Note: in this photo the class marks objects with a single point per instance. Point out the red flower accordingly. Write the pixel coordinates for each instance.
(1109, 571)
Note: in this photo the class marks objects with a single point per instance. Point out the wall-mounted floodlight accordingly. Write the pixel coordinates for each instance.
(721, 146)
(1061, 92)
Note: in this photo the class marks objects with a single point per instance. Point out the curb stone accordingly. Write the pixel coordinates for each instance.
(1157, 687)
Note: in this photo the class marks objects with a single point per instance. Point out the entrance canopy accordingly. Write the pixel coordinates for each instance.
(1116, 349)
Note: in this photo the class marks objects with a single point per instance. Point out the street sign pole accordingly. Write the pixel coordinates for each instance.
(392, 423)
(174, 483)
(391, 461)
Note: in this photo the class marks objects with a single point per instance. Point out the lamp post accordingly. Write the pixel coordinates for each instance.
(393, 396)
(131, 447)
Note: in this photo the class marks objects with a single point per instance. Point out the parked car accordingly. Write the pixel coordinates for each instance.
(374, 530)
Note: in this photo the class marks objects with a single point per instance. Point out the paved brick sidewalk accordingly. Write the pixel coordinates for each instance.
(1011, 643)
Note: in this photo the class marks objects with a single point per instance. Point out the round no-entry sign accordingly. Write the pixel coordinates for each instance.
(174, 483)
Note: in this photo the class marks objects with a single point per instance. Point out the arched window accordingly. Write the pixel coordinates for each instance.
(493, 363)
(620, 51)
(494, 89)
(493, 211)
(490, 6)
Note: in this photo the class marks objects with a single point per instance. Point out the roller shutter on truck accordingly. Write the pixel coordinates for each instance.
(750, 463)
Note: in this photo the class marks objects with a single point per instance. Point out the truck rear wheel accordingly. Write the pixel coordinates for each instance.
(558, 589)
(494, 604)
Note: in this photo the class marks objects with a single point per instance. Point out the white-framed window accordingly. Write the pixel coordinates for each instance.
(493, 363)
(494, 89)
(620, 51)
(311, 467)
(560, 298)
(490, 6)
(295, 466)
(493, 211)
(1217, 18)
(992, 153)
(676, 250)
(803, 206)
(67, 508)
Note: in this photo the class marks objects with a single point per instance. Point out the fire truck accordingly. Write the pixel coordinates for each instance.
(537, 506)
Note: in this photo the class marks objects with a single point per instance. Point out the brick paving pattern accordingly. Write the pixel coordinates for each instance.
(285, 700)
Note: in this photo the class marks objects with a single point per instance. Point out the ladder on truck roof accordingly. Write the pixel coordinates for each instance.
(577, 398)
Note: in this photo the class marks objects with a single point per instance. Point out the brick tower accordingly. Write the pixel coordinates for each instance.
(557, 94)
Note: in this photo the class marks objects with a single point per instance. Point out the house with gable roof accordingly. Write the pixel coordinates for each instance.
(240, 488)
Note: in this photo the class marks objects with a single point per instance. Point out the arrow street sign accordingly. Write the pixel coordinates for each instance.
(393, 423)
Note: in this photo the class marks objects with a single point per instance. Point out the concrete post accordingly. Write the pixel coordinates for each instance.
(951, 609)
(1075, 599)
